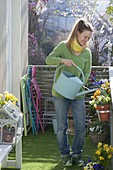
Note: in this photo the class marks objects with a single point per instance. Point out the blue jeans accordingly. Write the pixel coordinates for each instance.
(78, 109)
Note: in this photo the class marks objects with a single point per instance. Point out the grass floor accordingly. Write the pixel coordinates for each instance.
(40, 152)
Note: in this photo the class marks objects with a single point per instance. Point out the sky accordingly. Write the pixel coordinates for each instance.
(102, 5)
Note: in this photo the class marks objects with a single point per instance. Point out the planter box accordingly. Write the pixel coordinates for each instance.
(10, 123)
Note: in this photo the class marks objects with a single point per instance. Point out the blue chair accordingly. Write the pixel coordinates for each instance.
(30, 102)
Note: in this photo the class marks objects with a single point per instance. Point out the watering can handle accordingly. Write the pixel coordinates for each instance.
(63, 66)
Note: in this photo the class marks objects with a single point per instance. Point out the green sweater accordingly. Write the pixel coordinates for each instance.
(84, 61)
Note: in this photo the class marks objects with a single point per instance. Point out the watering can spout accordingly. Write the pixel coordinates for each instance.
(85, 92)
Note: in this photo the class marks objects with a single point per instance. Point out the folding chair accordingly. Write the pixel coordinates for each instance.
(25, 109)
(29, 101)
(36, 98)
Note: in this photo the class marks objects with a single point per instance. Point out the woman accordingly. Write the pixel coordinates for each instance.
(72, 52)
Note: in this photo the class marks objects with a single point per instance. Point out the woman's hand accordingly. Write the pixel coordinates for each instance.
(68, 62)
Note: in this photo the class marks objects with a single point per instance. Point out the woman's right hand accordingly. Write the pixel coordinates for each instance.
(68, 62)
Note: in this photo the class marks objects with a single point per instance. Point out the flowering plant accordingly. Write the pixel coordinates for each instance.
(104, 154)
(102, 95)
(98, 127)
(92, 165)
(103, 157)
(4, 98)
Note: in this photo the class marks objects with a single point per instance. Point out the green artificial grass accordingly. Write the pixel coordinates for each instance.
(40, 152)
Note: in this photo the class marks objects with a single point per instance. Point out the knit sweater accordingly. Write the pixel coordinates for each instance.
(84, 61)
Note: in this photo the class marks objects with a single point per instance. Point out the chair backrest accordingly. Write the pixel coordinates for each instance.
(35, 84)
(23, 93)
(36, 97)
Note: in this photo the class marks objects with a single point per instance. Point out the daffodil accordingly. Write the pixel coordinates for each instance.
(104, 154)
(4, 98)
(102, 158)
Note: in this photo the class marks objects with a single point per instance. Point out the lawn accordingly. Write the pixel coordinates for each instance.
(40, 151)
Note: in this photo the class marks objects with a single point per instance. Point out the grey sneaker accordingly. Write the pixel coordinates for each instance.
(80, 163)
(67, 160)
(76, 160)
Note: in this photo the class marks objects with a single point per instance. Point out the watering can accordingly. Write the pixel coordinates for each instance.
(68, 85)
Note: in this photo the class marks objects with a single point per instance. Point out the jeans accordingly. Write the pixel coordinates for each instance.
(78, 109)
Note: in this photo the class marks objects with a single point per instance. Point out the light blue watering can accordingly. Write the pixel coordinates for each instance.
(68, 85)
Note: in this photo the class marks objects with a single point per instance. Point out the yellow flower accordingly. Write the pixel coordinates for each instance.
(103, 85)
(104, 154)
(92, 97)
(99, 144)
(111, 148)
(97, 152)
(6, 97)
(5, 102)
(101, 158)
(107, 83)
(109, 91)
(109, 156)
(95, 106)
(105, 146)
(102, 95)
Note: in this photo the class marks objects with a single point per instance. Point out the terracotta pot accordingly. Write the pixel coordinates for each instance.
(103, 112)
(103, 107)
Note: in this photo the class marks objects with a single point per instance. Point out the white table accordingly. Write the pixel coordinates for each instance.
(4, 151)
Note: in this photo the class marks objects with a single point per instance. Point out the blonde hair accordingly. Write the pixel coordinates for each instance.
(79, 26)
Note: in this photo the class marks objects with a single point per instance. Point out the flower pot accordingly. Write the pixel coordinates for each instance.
(103, 107)
(8, 137)
(96, 138)
(103, 112)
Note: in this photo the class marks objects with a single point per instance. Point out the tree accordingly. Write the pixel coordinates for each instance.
(101, 47)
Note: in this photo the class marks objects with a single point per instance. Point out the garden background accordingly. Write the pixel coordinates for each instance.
(50, 21)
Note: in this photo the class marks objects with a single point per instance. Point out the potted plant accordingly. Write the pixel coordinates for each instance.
(102, 158)
(98, 131)
(101, 100)
(10, 118)
(4, 98)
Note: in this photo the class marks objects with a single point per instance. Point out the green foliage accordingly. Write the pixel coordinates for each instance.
(109, 11)
(98, 127)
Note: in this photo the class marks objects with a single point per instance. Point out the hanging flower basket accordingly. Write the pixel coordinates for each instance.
(103, 112)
